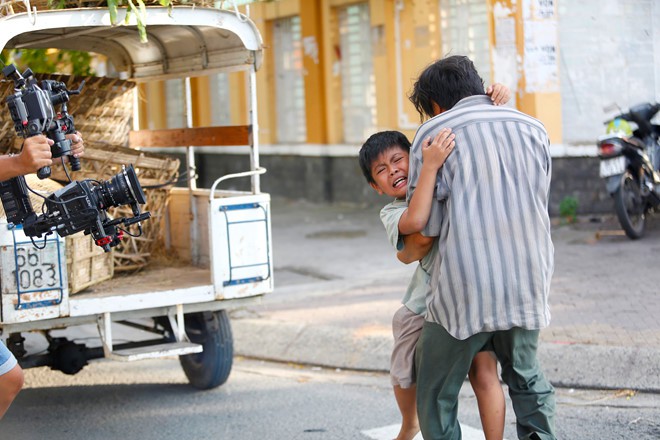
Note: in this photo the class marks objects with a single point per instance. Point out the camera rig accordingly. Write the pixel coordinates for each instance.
(80, 205)
(32, 111)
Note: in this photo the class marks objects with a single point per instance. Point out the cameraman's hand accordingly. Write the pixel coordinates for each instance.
(77, 144)
(36, 154)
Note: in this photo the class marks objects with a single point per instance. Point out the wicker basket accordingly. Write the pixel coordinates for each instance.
(86, 263)
(101, 162)
(102, 112)
(9, 7)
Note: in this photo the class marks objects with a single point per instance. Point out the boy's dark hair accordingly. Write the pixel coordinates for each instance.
(377, 144)
(445, 82)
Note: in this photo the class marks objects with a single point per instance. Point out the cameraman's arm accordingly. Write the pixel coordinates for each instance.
(34, 155)
(415, 247)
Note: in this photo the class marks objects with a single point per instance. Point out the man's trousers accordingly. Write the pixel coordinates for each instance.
(443, 363)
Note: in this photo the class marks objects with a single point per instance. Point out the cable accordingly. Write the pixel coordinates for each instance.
(132, 235)
(54, 201)
(35, 244)
(65, 170)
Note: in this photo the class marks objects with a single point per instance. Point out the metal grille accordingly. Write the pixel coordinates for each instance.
(464, 27)
(358, 82)
(289, 82)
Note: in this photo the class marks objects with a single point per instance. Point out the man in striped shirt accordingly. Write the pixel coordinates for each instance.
(491, 277)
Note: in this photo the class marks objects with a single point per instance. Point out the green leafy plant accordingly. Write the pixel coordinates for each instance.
(50, 61)
(138, 8)
(568, 208)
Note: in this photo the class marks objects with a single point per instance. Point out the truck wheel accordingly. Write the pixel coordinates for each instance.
(629, 206)
(211, 367)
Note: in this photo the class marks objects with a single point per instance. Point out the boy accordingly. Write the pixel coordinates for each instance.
(384, 163)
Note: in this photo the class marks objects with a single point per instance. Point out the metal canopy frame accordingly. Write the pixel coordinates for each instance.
(183, 42)
(189, 41)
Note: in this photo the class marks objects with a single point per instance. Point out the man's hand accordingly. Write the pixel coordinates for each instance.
(435, 152)
(36, 154)
(499, 93)
(77, 144)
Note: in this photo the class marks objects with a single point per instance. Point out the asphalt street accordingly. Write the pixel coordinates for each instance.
(337, 284)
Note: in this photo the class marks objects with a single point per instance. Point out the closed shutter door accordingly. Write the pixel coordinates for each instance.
(175, 103)
(220, 99)
(464, 26)
(289, 83)
(357, 76)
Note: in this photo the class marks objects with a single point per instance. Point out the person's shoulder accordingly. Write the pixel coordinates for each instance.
(513, 113)
(394, 205)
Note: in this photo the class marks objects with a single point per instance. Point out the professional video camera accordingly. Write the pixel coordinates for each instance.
(32, 111)
(80, 205)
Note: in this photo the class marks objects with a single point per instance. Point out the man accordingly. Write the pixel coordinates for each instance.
(34, 155)
(491, 277)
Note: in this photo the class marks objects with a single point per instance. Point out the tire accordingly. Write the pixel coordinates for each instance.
(630, 207)
(210, 368)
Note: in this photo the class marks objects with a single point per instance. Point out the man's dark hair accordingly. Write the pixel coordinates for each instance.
(446, 82)
(377, 144)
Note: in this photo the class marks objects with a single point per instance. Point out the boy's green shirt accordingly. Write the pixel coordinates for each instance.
(419, 286)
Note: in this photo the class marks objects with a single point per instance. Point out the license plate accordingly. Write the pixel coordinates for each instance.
(612, 167)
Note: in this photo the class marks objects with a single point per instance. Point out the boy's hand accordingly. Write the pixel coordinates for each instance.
(499, 93)
(35, 154)
(435, 152)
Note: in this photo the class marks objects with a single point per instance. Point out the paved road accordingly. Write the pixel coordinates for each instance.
(338, 284)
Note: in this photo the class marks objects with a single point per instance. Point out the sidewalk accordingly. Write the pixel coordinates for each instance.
(337, 284)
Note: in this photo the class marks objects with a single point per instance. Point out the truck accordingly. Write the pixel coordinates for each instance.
(183, 309)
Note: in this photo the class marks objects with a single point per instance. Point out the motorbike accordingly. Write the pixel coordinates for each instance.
(629, 162)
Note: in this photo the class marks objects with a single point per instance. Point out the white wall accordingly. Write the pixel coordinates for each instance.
(609, 52)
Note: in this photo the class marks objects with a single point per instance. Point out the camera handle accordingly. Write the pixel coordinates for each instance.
(35, 129)
(43, 173)
(61, 145)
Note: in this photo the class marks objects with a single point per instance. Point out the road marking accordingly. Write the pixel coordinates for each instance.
(390, 432)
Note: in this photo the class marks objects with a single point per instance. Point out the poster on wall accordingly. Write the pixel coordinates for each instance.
(541, 47)
(538, 9)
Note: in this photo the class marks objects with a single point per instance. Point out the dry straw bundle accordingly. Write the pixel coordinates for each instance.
(102, 113)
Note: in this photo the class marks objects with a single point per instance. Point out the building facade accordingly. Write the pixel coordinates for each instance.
(336, 71)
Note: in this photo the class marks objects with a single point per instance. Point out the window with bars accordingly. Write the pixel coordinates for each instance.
(464, 26)
(357, 75)
(289, 81)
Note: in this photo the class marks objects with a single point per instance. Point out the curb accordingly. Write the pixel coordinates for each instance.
(565, 365)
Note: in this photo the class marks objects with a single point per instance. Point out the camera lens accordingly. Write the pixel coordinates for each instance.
(123, 189)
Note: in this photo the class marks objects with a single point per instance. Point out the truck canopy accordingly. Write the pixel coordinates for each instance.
(186, 41)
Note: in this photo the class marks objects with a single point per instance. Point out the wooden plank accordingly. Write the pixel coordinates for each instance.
(192, 137)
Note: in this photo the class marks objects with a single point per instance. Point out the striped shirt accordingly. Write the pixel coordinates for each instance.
(495, 255)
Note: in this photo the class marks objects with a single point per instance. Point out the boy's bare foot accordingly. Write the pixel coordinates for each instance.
(407, 432)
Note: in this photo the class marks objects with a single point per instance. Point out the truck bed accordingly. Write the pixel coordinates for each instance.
(152, 287)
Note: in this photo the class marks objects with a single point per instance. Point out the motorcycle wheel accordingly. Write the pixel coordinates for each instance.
(630, 207)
